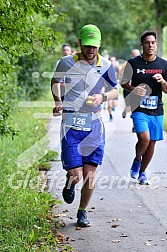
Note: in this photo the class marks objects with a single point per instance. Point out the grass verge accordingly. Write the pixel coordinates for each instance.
(26, 221)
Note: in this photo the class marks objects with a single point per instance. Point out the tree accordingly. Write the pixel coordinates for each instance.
(121, 21)
(24, 30)
(161, 17)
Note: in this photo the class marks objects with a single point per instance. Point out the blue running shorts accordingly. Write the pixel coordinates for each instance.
(154, 124)
(80, 147)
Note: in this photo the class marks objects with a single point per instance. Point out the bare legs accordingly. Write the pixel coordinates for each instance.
(88, 186)
(111, 107)
(144, 149)
(126, 110)
(88, 174)
(110, 110)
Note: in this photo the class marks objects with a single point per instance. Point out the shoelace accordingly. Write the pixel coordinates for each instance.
(82, 214)
(142, 176)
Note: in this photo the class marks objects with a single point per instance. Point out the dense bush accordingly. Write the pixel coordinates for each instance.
(25, 32)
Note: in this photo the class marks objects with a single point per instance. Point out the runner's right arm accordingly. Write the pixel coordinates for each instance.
(55, 88)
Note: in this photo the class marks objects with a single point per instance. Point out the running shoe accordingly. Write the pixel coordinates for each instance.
(143, 179)
(111, 118)
(83, 220)
(68, 193)
(134, 171)
(124, 114)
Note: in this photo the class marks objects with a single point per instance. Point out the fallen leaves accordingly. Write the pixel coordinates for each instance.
(91, 209)
(147, 243)
(115, 225)
(116, 219)
(59, 215)
(116, 241)
(78, 228)
(124, 235)
(60, 237)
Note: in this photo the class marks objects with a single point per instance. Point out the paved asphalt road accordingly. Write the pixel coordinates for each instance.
(124, 215)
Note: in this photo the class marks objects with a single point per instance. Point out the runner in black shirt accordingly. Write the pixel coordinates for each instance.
(145, 77)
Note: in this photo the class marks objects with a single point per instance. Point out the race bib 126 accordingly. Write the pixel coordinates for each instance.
(79, 121)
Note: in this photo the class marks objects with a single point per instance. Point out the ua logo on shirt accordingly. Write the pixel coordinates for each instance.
(141, 71)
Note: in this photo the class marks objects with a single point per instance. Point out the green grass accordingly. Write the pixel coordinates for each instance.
(26, 222)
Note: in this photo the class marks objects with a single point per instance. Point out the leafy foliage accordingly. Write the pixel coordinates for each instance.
(121, 21)
(25, 31)
(29, 78)
(118, 20)
(29, 28)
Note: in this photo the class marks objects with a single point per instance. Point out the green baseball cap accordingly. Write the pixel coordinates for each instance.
(90, 35)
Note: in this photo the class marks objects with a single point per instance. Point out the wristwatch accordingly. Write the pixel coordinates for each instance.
(104, 97)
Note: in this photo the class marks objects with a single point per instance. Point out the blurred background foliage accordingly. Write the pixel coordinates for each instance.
(33, 31)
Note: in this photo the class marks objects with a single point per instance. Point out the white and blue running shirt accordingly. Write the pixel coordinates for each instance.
(83, 80)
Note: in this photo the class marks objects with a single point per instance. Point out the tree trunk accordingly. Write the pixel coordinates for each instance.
(159, 27)
(159, 39)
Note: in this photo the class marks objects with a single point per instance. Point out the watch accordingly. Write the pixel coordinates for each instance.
(104, 97)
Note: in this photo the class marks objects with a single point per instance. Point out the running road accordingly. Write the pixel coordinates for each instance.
(124, 215)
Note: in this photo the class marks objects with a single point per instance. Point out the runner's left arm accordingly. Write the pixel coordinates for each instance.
(109, 77)
(162, 81)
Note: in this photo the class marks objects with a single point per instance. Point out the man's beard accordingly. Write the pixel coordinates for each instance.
(87, 58)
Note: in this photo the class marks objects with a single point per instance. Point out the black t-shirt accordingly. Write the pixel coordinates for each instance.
(140, 72)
